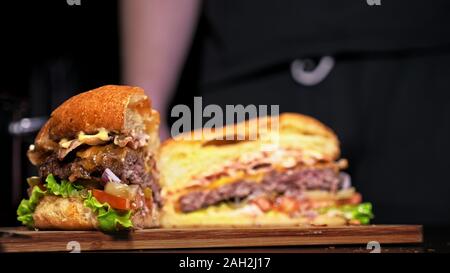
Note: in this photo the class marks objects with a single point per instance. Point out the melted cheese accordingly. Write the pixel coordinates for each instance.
(101, 136)
(65, 143)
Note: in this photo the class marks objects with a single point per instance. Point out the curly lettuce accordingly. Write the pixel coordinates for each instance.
(64, 189)
(27, 206)
(108, 218)
(360, 212)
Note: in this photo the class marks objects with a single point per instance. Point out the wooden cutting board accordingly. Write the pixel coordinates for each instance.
(22, 240)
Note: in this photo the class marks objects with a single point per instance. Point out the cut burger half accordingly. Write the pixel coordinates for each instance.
(289, 176)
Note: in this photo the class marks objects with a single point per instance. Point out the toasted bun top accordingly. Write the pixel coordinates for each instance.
(119, 109)
(181, 160)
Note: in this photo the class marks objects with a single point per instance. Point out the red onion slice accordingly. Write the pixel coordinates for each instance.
(345, 180)
(109, 176)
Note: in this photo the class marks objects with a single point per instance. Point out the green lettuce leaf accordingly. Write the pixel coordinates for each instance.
(27, 207)
(361, 212)
(108, 218)
(64, 189)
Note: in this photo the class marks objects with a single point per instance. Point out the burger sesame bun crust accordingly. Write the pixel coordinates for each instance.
(115, 108)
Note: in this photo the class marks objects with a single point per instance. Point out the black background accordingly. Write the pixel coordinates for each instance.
(50, 51)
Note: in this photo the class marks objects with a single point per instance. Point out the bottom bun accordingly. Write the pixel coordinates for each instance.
(54, 212)
(60, 213)
(247, 216)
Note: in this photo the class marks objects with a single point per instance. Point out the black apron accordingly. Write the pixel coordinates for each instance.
(387, 94)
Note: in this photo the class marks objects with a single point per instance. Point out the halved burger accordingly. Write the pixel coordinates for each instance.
(288, 176)
(96, 163)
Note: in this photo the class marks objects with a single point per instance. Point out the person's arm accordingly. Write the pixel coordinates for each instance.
(156, 35)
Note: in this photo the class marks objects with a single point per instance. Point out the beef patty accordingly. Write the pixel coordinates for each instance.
(290, 183)
(89, 164)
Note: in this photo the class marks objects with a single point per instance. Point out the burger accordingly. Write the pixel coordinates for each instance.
(289, 174)
(95, 158)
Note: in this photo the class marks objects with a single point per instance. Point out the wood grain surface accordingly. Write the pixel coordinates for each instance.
(22, 240)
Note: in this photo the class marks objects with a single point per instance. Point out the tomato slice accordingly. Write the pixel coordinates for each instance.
(287, 205)
(114, 201)
(263, 203)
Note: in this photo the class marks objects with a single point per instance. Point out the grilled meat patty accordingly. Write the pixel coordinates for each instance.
(128, 164)
(292, 182)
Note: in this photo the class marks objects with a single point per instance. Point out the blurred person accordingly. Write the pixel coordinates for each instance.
(377, 74)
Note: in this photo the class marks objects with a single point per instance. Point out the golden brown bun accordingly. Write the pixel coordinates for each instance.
(181, 160)
(54, 212)
(215, 216)
(60, 213)
(119, 109)
(116, 108)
